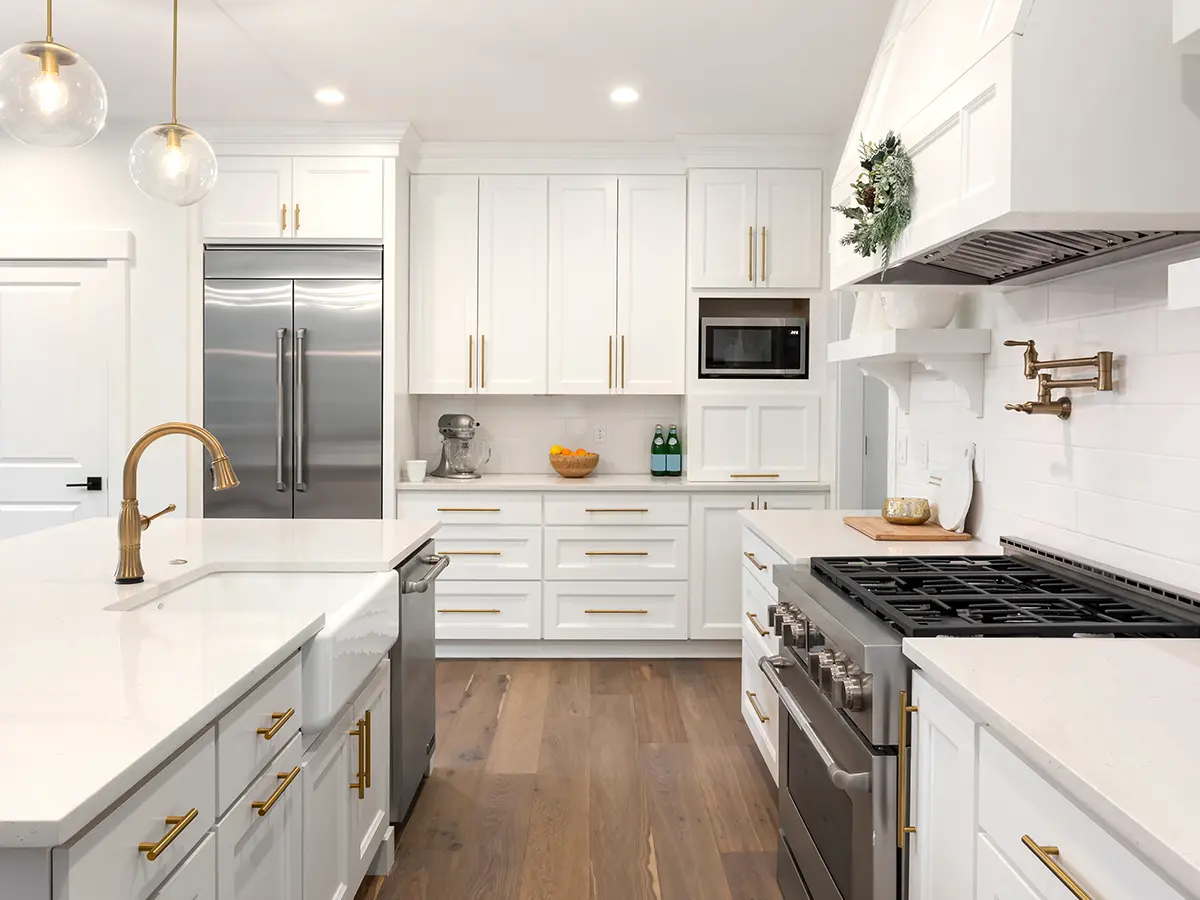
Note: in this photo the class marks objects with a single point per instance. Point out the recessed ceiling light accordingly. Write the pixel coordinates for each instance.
(330, 95)
(624, 95)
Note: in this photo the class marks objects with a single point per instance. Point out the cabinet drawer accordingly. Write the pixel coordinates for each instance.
(757, 559)
(617, 554)
(258, 852)
(489, 610)
(604, 611)
(508, 553)
(617, 509)
(471, 508)
(242, 746)
(760, 710)
(754, 619)
(105, 862)
(196, 878)
(1015, 801)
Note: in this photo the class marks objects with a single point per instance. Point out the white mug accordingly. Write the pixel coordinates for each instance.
(415, 469)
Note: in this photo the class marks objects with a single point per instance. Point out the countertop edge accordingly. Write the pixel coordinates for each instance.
(567, 485)
(1140, 841)
(763, 534)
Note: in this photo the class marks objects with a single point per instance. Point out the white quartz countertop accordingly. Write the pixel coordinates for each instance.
(1113, 723)
(101, 683)
(800, 534)
(552, 482)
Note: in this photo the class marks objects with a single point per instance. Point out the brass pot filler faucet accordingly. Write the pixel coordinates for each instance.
(132, 523)
(1102, 362)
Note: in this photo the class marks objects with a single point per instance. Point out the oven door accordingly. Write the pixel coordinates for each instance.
(753, 348)
(837, 797)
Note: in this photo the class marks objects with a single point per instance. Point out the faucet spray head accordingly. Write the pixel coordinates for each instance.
(224, 477)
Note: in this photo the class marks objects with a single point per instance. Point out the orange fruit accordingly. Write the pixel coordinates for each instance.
(581, 452)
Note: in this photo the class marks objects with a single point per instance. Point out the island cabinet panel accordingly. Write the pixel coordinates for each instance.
(259, 847)
(329, 769)
(105, 862)
(369, 813)
(196, 879)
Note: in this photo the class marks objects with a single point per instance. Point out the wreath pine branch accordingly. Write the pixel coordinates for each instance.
(883, 192)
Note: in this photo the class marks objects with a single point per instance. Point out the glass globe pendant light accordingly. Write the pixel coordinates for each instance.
(49, 95)
(172, 162)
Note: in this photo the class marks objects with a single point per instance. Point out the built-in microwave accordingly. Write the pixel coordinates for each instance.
(753, 347)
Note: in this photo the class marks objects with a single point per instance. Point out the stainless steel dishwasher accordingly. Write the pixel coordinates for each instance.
(414, 679)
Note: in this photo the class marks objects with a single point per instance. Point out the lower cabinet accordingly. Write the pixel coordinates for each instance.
(995, 878)
(196, 878)
(615, 611)
(489, 610)
(369, 808)
(716, 570)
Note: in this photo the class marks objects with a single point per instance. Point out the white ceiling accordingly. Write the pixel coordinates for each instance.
(482, 69)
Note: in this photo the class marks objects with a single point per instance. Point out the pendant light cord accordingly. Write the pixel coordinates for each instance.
(49, 21)
(174, 63)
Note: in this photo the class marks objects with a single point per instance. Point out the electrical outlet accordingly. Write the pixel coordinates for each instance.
(599, 432)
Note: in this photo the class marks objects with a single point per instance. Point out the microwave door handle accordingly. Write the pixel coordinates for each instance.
(843, 780)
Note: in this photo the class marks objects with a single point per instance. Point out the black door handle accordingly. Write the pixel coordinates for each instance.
(93, 483)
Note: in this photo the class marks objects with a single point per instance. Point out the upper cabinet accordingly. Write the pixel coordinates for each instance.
(330, 198)
(756, 228)
(753, 438)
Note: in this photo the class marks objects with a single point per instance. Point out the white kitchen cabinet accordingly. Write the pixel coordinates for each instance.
(715, 605)
(616, 611)
(756, 228)
(753, 437)
(369, 810)
(942, 808)
(328, 770)
(512, 284)
(488, 610)
(995, 878)
(583, 284)
(616, 553)
(337, 197)
(331, 198)
(196, 878)
(443, 283)
(760, 712)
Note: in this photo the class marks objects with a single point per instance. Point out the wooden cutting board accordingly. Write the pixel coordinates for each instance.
(877, 528)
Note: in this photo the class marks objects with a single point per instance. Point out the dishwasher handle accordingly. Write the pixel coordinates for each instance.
(439, 564)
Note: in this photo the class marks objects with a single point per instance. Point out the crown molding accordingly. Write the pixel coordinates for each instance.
(66, 244)
(550, 158)
(805, 151)
(375, 138)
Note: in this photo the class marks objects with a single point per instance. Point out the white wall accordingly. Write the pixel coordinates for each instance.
(1120, 481)
(90, 187)
(523, 429)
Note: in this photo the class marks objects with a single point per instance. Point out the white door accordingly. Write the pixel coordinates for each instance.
(369, 816)
(57, 370)
(787, 438)
(196, 877)
(715, 585)
(720, 437)
(583, 284)
(337, 197)
(996, 879)
(721, 219)
(941, 852)
(443, 283)
(251, 199)
(512, 284)
(328, 770)
(652, 283)
(791, 207)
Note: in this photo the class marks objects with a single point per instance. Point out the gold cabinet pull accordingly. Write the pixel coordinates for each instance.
(482, 361)
(296, 217)
(622, 362)
(468, 509)
(470, 360)
(751, 696)
(1044, 854)
(280, 721)
(283, 217)
(610, 346)
(367, 738)
(602, 509)
(468, 553)
(468, 610)
(154, 850)
(755, 475)
(750, 556)
(762, 632)
(617, 612)
(751, 254)
(361, 733)
(762, 249)
(903, 829)
(264, 806)
(616, 553)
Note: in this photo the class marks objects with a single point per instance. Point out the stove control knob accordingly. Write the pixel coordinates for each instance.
(847, 693)
(772, 612)
(831, 674)
(784, 616)
(814, 665)
(793, 635)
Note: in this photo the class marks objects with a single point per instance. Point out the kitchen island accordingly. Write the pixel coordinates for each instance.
(113, 697)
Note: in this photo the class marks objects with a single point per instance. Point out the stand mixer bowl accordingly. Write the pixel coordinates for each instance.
(464, 452)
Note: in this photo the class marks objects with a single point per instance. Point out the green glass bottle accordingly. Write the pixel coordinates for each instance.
(674, 454)
(658, 453)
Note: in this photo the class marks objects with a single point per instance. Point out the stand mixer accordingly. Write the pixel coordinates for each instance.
(463, 453)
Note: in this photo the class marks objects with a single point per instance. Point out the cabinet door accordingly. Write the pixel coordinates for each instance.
(369, 816)
(793, 501)
(443, 283)
(512, 284)
(942, 808)
(791, 208)
(196, 877)
(652, 283)
(997, 880)
(251, 199)
(720, 439)
(786, 438)
(715, 583)
(721, 219)
(337, 197)
(583, 284)
(328, 770)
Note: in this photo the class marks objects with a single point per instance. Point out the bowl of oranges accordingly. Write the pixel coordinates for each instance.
(573, 463)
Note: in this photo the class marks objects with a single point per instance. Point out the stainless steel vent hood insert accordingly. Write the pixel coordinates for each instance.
(1013, 258)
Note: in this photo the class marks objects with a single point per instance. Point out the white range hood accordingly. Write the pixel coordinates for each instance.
(1047, 136)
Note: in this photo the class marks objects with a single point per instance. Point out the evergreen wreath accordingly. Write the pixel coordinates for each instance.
(883, 198)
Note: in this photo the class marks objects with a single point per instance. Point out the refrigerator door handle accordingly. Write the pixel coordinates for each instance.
(301, 485)
(280, 334)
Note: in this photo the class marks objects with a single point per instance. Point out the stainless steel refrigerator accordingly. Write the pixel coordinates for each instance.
(293, 379)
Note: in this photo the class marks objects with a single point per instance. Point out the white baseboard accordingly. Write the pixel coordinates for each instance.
(589, 649)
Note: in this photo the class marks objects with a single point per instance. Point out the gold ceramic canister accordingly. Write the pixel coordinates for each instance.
(906, 510)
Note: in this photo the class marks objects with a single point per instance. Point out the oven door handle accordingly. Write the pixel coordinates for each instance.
(843, 780)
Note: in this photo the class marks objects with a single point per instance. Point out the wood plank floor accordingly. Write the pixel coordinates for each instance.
(589, 780)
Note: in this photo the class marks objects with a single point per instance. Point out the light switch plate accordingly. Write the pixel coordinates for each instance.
(902, 449)
(922, 452)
